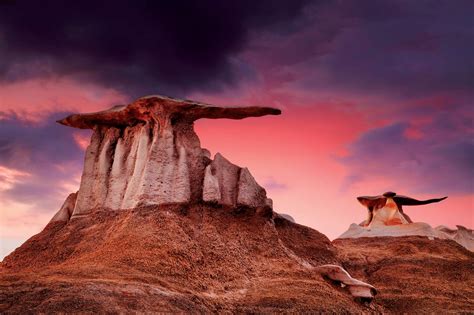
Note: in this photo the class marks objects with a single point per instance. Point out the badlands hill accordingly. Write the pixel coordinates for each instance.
(174, 259)
(159, 226)
(215, 259)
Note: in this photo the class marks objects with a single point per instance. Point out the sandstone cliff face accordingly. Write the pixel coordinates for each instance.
(147, 153)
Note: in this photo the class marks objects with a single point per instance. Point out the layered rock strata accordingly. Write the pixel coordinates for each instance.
(147, 153)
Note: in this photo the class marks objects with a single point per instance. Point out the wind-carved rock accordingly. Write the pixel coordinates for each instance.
(147, 153)
(357, 288)
(387, 209)
(386, 217)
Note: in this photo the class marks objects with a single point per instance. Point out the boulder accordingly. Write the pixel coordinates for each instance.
(64, 214)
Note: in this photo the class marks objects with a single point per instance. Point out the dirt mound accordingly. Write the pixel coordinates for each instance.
(412, 274)
(173, 258)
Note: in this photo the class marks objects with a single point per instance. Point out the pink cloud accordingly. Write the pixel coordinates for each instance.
(36, 98)
(10, 176)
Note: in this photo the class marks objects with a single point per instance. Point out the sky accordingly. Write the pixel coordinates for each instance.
(376, 96)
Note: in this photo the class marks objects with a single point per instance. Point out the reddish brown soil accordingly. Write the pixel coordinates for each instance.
(413, 274)
(173, 258)
(212, 259)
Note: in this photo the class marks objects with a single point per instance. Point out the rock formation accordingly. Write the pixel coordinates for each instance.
(65, 212)
(193, 234)
(387, 218)
(387, 208)
(461, 235)
(176, 258)
(147, 153)
(357, 288)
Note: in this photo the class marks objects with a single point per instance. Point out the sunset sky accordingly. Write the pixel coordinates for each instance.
(376, 96)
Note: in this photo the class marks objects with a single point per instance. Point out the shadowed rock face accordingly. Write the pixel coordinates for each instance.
(147, 153)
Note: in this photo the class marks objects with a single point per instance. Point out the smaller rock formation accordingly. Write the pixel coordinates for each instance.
(64, 214)
(462, 235)
(228, 184)
(387, 208)
(357, 288)
(387, 218)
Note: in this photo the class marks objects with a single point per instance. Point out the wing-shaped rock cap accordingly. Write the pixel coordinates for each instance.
(162, 108)
(374, 201)
(387, 209)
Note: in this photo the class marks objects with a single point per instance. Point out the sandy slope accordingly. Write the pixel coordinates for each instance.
(413, 274)
(214, 259)
(173, 258)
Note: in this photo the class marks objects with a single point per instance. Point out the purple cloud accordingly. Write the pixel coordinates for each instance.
(440, 161)
(272, 184)
(47, 152)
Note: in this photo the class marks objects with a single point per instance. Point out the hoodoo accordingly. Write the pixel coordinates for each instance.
(387, 208)
(147, 153)
(385, 217)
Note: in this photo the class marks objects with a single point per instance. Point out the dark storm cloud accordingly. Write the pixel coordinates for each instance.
(398, 48)
(136, 46)
(439, 160)
(47, 152)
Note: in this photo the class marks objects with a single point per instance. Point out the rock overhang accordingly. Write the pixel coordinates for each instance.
(162, 108)
(386, 218)
(147, 153)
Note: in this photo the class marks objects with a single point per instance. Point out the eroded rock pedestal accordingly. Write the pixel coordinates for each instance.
(386, 217)
(147, 153)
